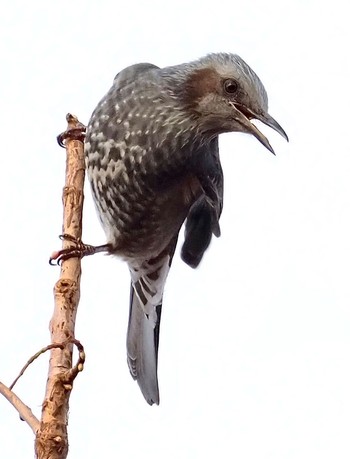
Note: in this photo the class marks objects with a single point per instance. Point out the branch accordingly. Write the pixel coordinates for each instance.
(52, 438)
(79, 366)
(34, 357)
(24, 411)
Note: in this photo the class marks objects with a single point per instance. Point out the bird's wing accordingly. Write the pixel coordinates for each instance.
(211, 177)
(146, 294)
(203, 217)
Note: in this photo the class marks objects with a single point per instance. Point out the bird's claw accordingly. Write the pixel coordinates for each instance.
(70, 238)
(79, 250)
(58, 257)
(77, 133)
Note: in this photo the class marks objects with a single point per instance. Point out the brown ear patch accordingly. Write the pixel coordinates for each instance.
(200, 83)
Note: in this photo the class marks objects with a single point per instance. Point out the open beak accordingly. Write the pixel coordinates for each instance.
(243, 115)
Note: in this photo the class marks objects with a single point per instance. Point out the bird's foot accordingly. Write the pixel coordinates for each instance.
(78, 250)
(76, 133)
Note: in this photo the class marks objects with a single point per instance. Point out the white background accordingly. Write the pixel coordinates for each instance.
(255, 344)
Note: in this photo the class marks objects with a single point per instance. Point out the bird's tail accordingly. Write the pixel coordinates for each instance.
(142, 347)
(146, 295)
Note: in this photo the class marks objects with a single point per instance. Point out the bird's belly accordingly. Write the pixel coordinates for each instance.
(141, 224)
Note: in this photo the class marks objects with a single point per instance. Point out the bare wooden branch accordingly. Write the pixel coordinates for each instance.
(79, 366)
(52, 439)
(34, 357)
(23, 410)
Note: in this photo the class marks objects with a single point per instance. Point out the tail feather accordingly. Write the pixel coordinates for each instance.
(146, 295)
(142, 348)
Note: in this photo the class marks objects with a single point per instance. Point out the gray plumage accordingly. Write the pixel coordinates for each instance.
(153, 162)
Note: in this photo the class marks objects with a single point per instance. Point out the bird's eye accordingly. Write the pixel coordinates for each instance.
(230, 86)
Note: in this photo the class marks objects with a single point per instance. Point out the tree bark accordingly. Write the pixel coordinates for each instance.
(52, 437)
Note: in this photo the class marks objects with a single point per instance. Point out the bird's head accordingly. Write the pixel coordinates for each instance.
(225, 94)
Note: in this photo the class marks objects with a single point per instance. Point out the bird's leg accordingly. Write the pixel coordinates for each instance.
(79, 250)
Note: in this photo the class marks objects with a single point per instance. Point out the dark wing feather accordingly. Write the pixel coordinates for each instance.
(203, 217)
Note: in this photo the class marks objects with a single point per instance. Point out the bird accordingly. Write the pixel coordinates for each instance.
(152, 159)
